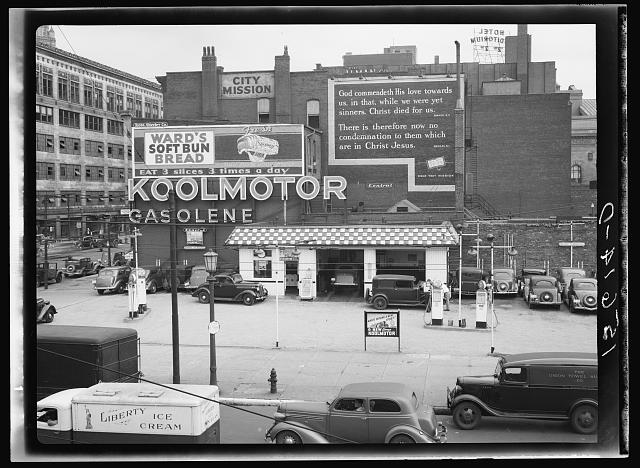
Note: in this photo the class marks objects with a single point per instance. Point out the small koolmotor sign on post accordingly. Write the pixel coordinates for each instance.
(384, 324)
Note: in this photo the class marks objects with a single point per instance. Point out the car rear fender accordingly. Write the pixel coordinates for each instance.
(583, 401)
(483, 406)
(305, 433)
(199, 290)
(416, 434)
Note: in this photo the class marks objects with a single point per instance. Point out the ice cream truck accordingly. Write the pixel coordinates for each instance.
(131, 413)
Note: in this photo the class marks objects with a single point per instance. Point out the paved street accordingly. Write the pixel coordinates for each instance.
(321, 344)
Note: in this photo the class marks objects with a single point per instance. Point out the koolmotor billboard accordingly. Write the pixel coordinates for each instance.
(218, 150)
(400, 121)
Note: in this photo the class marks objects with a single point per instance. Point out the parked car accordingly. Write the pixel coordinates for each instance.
(155, 279)
(544, 385)
(86, 242)
(471, 276)
(44, 311)
(542, 290)
(368, 412)
(390, 289)
(48, 275)
(525, 273)
(81, 266)
(102, 241)
(197, 277)
(112, 279)
(183, 273)
(345, 276)
(565, 275)
(231, 287)
(582, 294)
(504, 282)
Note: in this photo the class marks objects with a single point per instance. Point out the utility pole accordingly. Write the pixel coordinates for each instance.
(175, 332)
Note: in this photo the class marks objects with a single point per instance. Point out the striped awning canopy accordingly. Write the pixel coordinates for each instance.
(329, 236)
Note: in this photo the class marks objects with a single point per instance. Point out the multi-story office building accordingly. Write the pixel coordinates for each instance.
(83, 151)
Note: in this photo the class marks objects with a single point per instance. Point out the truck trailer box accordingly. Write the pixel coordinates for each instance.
(131, 413)
(81, 356)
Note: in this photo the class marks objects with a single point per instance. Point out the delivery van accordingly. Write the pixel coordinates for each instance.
(72, 356)
(130, 413)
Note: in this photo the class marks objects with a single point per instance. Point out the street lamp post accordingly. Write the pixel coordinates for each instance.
(211, 265)
(460, 228)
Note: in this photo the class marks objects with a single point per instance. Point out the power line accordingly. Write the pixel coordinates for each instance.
(65, 38)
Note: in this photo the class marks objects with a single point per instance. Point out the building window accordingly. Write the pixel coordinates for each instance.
(262, 265)
(45, 171)
(44, 143)
(68, 118)
(115, 127)
(119, 101)
(195, 236)
(69, 145)
(111, 101)
(46, 82)
(44, 114)
(94, 198)
(69, 172)
(88, 93)
(94, 174)
(93, 123)
(313, 113)
(154, 113)
(63, 86)
(576, 174)
(589, 156)
(74, 89)
(138, 108)
(130, 104)
(115, 151)
(147, 110)
(97, 98)
(263, 110)
(94, 148)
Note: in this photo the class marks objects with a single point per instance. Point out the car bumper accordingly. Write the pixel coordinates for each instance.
(584, 307)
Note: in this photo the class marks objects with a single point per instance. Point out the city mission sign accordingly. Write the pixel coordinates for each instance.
(259, 188)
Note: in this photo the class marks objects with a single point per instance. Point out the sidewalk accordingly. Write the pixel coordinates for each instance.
(320, 343)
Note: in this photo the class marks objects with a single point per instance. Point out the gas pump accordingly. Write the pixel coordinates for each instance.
(436, 303)
(137, 289)
(481, 305)
(133, 297)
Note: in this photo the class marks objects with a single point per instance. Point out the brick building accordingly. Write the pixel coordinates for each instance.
(83, 153)
(415, 144)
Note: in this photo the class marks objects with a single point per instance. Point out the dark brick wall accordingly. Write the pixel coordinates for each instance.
(536, 243)
(183, 96)
(581, 198)
(524, 152)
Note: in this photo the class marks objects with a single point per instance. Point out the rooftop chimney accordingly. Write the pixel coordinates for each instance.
(436, 59)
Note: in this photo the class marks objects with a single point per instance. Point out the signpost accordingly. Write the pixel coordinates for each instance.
(382, 324)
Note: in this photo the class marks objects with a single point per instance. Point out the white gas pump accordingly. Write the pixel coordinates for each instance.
(436, 303)
(481, 305)
(133, 297)
(141, 289)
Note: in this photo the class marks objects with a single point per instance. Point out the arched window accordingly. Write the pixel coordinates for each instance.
(576, 173)
(263, 110)
(313, 113)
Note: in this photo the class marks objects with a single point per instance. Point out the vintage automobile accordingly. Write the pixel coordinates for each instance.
(388, 289)
(81, 266)
(367, 412)
(197, 277)
(155, 278)
(544, 385)
(112, 279)
(565, 275)
(525, 273)
(345, 276)
(231, 287)
(504, 282)
(102, 241)
(51, 274)
(183, 273)
(582, 294)
(542, 290)
(471, 276)
(44, 311)
(86, 242)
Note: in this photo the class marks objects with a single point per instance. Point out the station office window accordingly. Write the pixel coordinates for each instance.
(313, 113)
(195, 236)
(262, 264)
(263, 110)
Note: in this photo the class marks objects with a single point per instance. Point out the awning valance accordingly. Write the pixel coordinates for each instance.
(335, 236)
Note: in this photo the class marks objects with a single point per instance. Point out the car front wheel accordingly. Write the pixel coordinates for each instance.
(203, 297)
(120, 288)
(288, 437)
(248, 299)
(402, 439)
(153, 288)
(584, 419)
(58, 277)
(380, 303)
(100, 292)
(466, 415)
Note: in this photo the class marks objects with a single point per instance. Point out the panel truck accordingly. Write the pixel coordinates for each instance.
(130, 413)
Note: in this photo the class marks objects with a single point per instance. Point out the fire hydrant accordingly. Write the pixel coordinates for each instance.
(274, 380)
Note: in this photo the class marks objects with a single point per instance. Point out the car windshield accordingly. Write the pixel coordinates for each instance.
(105, 272)
(237, 278)
(569, 276)
(584, 285)
(502, 275)
(544, 284)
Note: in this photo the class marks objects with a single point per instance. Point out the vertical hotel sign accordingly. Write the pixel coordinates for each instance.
(400, 121)
(218, 151)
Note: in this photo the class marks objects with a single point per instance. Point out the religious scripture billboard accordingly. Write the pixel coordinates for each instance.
(218, 150)
(401, 121)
